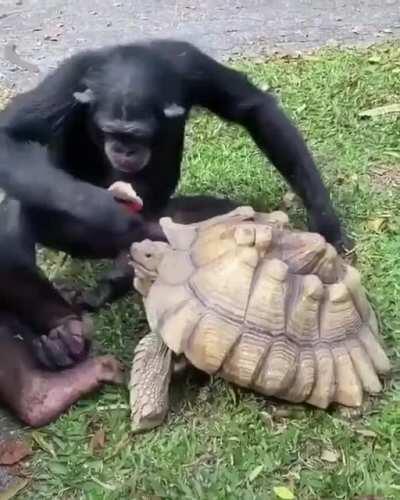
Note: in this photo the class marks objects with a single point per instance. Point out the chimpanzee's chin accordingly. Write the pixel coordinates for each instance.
(128, 167)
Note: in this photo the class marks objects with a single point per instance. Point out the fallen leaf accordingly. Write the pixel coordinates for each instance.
(366, 433)
(14, 488)
(376, 225)
(283, 493)
(43, 444)
(332, 42)
(98, 441)
(331, 456)
(255, 472)
(381, 110)
(13, 451)
(312, 57)
(374, 60)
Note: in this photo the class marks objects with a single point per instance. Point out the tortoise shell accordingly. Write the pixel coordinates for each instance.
(271, 309)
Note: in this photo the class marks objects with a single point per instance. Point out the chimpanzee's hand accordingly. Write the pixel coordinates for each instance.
(65, 345)
(329, 227)
(124, 193)
(99, 226)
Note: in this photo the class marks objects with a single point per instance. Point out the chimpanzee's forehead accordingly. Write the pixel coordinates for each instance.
(127, 114)
(128, 105)
(143, 128)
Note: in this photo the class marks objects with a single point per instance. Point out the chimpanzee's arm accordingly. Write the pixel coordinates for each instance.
(68, 214)
(83, 213)
(229, 94)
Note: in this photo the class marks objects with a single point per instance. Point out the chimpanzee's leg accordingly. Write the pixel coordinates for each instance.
(38, 396)
(119, 281)
(24, 291)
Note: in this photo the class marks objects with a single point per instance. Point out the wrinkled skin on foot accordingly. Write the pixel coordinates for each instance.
(37, 395)
(65, 345)
(49, 394)
(356, 413)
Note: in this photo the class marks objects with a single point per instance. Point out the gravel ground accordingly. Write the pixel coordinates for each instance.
(45, 31)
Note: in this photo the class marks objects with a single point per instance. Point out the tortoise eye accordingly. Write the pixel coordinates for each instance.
(148, 255)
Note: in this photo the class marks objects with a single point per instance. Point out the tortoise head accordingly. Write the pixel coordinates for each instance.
(146, 257)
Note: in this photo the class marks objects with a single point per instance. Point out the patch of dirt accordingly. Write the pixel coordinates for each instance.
(385, 177)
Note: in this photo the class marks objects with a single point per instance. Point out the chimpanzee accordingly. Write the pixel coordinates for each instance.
(118, 113)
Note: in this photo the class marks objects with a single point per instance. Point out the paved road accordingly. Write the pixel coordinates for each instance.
(46, 31)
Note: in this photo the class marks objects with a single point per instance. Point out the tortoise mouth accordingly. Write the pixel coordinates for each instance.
(142, 271)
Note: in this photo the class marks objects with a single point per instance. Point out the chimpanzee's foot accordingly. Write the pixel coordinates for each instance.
(46, 395)
(65, 345)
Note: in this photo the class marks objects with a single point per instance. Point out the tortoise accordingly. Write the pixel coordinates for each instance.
(244, 297)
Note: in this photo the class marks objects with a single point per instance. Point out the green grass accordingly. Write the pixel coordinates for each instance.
(220, 442)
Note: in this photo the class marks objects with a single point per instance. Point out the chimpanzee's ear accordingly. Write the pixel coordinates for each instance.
(174, 110)
(85, 97)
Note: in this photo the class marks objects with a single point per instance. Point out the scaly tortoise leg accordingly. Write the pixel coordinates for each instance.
(149, 383)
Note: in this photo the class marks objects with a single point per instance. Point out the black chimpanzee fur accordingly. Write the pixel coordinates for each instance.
(119, 114)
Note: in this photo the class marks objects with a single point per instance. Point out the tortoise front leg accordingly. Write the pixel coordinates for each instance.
(149, 383)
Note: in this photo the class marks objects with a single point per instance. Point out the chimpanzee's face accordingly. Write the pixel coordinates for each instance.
(128, 130)
(127, 141)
